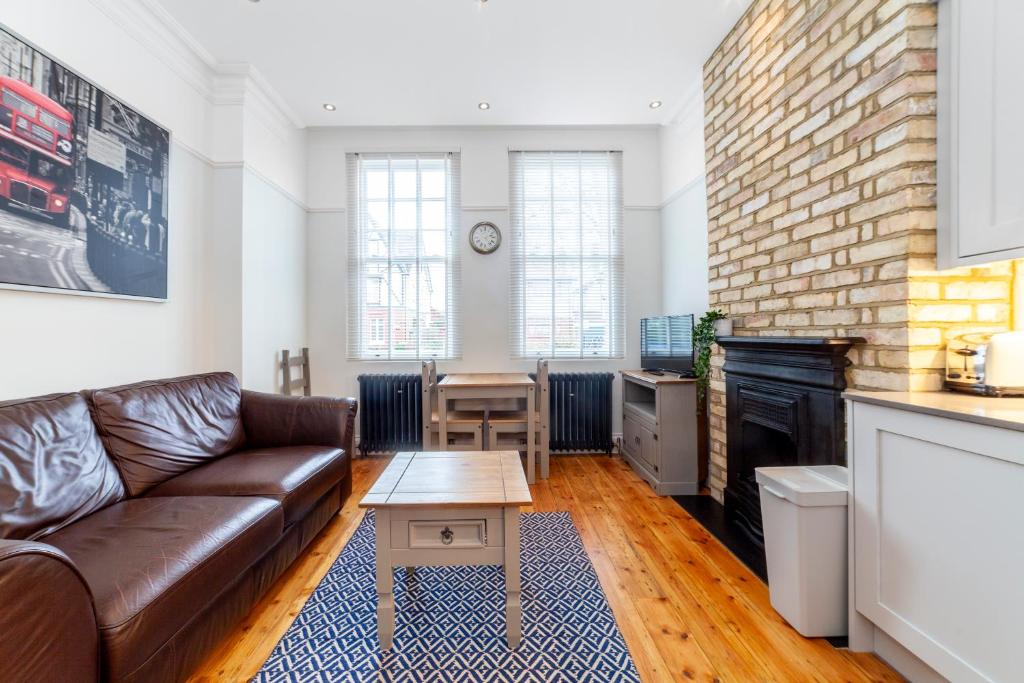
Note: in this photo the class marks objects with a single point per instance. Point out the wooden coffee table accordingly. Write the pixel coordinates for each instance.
(445, 508)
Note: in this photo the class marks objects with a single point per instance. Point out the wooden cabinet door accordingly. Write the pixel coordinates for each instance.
(641, 443)
(981, 139)
(649, 453)
(937, 539)
(631, 440)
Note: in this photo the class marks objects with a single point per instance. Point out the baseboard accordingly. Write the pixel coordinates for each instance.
(904, 661)
(662, 488)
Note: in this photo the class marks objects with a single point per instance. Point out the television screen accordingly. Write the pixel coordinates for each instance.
(666, 343)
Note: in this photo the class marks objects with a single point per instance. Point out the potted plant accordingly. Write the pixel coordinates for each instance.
(704, 335)
(712, 325)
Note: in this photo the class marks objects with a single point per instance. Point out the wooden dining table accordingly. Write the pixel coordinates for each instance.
(484, 387)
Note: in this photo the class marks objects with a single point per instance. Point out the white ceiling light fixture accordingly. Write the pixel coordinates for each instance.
(655, 104)
(330, 107)
(484, 106)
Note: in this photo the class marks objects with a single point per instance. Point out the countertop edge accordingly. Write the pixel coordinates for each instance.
(899, 401)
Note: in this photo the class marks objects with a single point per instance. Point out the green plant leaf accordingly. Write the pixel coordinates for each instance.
(703, 338)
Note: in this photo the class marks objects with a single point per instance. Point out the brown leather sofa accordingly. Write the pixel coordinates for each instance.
(138, 524)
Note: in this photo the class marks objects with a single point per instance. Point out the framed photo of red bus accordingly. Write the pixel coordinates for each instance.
(83, 183)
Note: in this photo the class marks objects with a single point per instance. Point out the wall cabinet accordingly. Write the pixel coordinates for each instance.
(659, 431)
(937, 542)
(980, 136)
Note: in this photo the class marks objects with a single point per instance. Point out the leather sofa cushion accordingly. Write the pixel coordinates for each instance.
(156, 430)
(297, 476)
(53, 467)
(154, 563)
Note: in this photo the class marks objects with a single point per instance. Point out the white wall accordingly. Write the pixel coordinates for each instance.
(275, 150)
(684, 254)
(255, 269)
(684, 220)
(485, 279)
(239, 240)
(62, 342)
(222, 270)
(273, 281)
(682, 146)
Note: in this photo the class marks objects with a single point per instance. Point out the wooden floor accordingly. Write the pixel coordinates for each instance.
(689, 610)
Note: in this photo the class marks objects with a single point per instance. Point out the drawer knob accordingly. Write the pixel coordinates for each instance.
(447, 536)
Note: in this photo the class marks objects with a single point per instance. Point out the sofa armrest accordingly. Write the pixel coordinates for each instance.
(273, 421)
(47, 620)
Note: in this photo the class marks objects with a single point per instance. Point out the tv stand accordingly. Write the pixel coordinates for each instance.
(659, 430)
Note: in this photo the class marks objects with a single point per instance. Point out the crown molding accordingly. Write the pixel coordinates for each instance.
(166, 39)
(243, 84)
(218, 83)
(692, 97)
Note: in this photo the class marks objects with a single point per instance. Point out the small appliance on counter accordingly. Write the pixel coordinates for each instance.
(986, 364)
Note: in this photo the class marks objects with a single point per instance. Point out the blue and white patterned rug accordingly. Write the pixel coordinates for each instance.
(451, 620)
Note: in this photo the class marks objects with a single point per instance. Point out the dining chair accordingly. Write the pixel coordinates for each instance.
(465, 427)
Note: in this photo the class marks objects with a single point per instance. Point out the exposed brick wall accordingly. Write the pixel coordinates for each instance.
(820, 150)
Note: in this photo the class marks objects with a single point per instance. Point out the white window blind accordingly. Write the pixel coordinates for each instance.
(567, 278)
(403, 256)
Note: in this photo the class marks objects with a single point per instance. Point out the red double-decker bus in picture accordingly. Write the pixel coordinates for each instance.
(36, 150)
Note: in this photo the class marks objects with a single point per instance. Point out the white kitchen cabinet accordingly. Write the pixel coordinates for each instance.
(937, 533)
(980, 136)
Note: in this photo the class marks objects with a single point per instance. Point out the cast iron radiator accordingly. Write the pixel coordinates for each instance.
(390, 413)
(581, 411)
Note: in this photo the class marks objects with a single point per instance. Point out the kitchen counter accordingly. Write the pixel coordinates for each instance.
(1007, 413)
(934, 533)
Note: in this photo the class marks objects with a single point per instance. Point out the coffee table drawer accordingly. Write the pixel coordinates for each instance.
(424, 529)
(435, 533)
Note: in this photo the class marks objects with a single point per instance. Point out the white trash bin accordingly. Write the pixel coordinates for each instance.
(803, 511)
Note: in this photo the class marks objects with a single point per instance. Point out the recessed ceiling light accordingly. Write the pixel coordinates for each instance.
(328, 106)
(654, 104)
(484, 106)
(254, 1)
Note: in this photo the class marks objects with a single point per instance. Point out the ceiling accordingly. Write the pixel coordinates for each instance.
(431, 62)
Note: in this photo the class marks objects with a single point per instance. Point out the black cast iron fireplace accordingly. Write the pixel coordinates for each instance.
(783, 407)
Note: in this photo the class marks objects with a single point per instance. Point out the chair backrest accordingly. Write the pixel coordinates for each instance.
(543, 394)
(428, 371)
(301, 361)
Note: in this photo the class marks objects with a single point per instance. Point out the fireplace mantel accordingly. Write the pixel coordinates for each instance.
(783, 407)
(814, 361)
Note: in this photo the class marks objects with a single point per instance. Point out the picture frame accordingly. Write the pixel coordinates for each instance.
(84, 183)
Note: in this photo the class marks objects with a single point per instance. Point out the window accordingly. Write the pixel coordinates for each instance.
(23, 106)
(567, 299)
(403, 256)
(52, 121)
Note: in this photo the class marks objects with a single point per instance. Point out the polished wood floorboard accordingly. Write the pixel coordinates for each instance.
(689, 610)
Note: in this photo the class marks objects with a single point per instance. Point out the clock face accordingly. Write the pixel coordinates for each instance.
(485, 238)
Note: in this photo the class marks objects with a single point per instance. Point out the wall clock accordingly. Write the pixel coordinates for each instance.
(485, 238)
